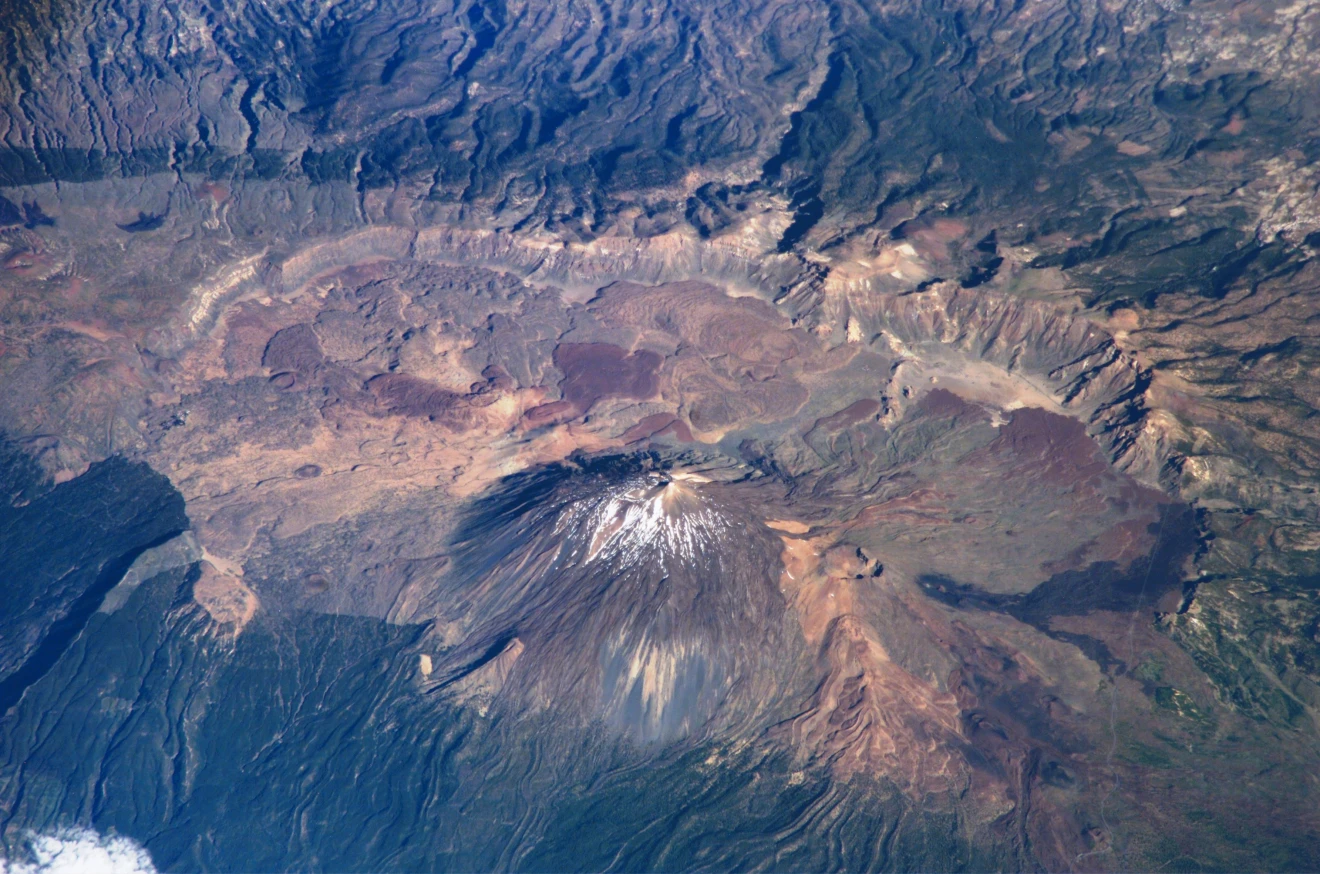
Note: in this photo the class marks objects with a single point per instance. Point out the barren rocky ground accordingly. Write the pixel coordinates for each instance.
(661, 435)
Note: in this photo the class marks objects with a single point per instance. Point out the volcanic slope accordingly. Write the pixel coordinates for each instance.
(645, 598)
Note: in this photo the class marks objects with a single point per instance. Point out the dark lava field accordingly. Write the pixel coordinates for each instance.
(671, 435)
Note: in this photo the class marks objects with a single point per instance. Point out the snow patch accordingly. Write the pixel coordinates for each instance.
(650, 518)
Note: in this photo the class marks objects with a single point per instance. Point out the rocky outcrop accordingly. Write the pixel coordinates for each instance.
(479, 684)
(869, 715)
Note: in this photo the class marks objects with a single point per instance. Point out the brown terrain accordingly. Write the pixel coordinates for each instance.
(923, 396)
(943, 490)
(367, 387)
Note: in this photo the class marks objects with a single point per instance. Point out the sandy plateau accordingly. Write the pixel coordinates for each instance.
(224, 596)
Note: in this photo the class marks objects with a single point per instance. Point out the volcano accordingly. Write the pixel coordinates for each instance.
(647, 598)
(682, 435)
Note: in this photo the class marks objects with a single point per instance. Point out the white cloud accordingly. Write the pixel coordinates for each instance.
(79, 851)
